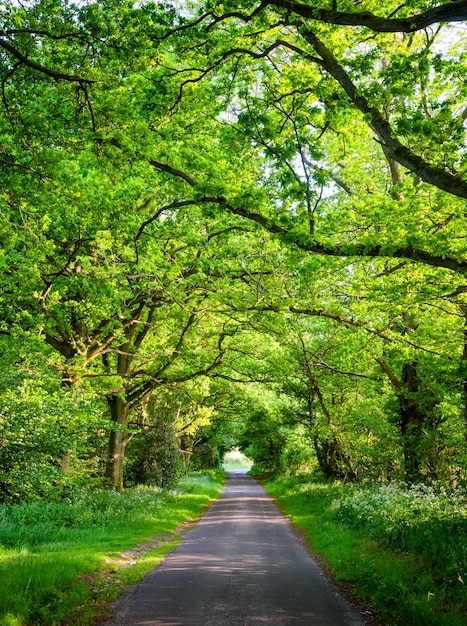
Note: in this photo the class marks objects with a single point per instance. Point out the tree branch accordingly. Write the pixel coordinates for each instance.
(393, 148)
(173, 172)
(390, 374)
(450, 12)
(344, 372)
(342, 319)
(41, 68)
(44, 33)
(308, 244)
(140, 392)
(455, 11)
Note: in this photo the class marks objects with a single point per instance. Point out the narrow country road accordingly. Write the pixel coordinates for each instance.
(240, 565)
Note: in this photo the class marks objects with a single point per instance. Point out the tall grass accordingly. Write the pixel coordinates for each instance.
(63, 561)
(403, 549)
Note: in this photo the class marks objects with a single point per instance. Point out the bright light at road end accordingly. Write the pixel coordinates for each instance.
(236, 459)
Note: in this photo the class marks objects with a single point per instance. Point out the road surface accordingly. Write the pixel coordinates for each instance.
(240, 565)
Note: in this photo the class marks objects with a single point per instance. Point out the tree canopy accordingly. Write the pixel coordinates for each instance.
(219, 211)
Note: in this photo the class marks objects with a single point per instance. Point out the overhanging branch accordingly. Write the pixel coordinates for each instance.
(41, 68)
(305, 242)
(449, 12)
(393, 147)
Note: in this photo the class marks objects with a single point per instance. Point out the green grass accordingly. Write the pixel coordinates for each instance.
(403, 555)
(63, 563)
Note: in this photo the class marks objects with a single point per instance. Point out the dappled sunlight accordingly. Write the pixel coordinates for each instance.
(238, 566)
(278, 619)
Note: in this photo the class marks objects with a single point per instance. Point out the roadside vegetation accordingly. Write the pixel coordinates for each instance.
(63, 562)
(401, 549)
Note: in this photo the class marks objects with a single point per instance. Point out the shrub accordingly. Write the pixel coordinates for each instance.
(418, 518)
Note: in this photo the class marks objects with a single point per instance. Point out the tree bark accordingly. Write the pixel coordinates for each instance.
(415, 422)
(455, 11)
(186, 450)
(333, 461)
(412, 420)
(118, 440)
(463, 369)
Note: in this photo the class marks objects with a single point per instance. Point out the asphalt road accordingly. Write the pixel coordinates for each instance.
(240, 565)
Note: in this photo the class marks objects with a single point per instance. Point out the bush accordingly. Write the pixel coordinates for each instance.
(49, 442)
(205, 456)
(153, 457)
(418, 518)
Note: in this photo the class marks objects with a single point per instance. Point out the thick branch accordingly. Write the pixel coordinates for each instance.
(342, 319)
(449, 12)
(390, 374)
(40, 68)
(63, 347)
(307, 243)
(358, 250)
(393, 148)
(173, 171)
(455, 11)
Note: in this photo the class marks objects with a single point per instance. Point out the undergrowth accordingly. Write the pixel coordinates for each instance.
(420, 519)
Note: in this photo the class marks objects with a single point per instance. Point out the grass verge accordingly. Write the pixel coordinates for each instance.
(63, 563)
(400, 580)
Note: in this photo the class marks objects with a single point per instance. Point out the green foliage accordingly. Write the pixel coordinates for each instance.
(267, 201)
(28, 524)
(154, 457)
(298, 456)
(263, 440)
(205, 456)
(178, 202)
(50, 436)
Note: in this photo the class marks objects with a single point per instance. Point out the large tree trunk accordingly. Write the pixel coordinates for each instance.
(415, 421)
(118, 441)
(411, 422)
(334, 462)
(186, 443)
(463, 369)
